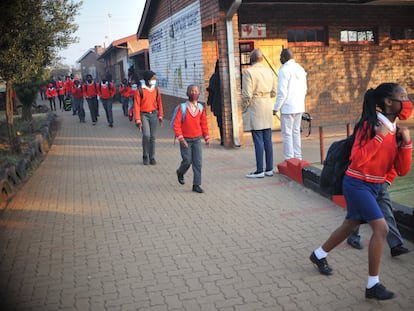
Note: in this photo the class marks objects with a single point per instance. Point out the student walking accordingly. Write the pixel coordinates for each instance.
(190, 125)
(90, 92)
(106, 92)
(374, 153)
(68, 87)
(60, 86)
(148, 111)
(51, 95)
(124, 91)
(78, 99)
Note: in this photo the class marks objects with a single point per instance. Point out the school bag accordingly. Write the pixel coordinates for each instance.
(335, 165)
(183, 112)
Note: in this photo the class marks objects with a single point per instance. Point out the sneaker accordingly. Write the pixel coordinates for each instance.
(378, 292)
(322, 264)
(153, 162)
(268, 173)
(198, 189)
(354, 242)
(255, 175)
(145, 160)
(399, 250)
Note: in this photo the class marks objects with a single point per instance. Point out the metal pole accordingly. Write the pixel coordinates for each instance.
(348, 129)
(321, 144)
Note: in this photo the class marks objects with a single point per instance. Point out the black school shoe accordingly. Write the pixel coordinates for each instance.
(198, 189)
(354, 242)
(180, 178)
(322, 264)
(378, 292)
(399, 250)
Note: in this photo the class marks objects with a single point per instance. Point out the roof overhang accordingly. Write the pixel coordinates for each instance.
(149, 9)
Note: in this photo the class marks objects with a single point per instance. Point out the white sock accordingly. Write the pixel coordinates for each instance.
(372, 280)
(320, 253)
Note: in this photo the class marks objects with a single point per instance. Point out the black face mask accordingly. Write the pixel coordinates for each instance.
(89, 80)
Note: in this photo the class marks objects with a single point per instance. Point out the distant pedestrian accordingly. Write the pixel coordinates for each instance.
(51, 95)
(60, 88)
(374, 152)
(132, 75)
(90, 92)
(124, 90)
(106, 92)
(43, 89)
(259, 89)
(148, 112)
(290, 100)
(78, 99)
(189, 130)
(214, 100)
(68, 88)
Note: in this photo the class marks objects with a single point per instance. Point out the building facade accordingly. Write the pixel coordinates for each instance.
(116, 57)
(89, 63)
(346, 47)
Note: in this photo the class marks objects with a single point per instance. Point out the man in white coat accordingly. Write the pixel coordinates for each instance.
(290, 100)
(258, 92)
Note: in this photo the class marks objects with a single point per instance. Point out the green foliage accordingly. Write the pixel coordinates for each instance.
(36, 31)
(27, 90)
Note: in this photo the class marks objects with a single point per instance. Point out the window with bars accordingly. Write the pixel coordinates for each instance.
(358, 36)
(307, 36)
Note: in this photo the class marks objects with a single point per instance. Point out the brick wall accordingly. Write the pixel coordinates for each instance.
(339, 75)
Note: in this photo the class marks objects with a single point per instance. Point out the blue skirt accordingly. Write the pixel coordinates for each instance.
(361, 199)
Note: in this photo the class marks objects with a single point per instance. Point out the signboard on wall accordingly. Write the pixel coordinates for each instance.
(175, 52)
(253, 31)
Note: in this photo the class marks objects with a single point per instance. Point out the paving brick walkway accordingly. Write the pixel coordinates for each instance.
(94, 229)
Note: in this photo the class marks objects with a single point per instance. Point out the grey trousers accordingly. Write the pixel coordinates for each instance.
(149, 130)
(192, 155)
(394, 237)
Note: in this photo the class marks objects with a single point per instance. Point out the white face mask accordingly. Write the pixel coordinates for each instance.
(134, 86)
(152, 82)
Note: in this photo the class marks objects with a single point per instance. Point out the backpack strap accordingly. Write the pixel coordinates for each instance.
(141, 94)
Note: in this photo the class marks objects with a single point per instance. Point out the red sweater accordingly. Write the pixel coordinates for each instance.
(68, 85)
(194, 125)
(60, 87)
(77, 92)
(149, 102)
(50, 92)
(107, 90)
(124, 90)
(374, 160)
(90, 89)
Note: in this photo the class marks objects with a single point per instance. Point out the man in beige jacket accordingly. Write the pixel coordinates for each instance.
(259, 86)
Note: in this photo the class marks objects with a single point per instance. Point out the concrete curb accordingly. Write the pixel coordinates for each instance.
(13, 175)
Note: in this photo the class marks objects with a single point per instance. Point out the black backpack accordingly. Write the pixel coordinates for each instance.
(335, 165)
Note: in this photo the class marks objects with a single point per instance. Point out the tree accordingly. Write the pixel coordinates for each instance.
(27, 92)
(32, 34)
